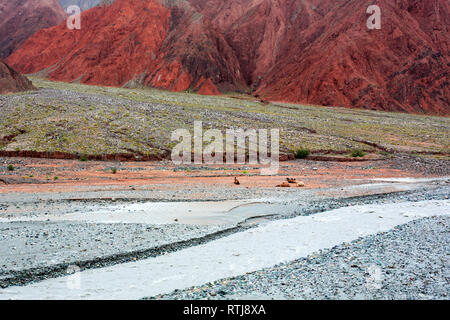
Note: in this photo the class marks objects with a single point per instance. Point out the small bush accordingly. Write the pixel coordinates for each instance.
(114, 170)
(83, 158)
(302, 153)
(10, 167)
(385, 154)
(55, 178)
(358, 153)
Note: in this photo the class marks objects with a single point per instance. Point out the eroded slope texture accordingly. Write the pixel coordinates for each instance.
(19, 19)
(307, 51)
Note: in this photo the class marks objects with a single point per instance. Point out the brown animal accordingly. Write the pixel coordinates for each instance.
(284, 185)
(236, 181)
(291, 180)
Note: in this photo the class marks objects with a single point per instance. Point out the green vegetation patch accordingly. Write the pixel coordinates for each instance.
(93, 120)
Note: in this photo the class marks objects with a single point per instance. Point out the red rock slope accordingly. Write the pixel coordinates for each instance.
(321, 52)
(135, 42)
(307, 51)
(257, 29)
(11, 81)
(19, 19)
(338, 61)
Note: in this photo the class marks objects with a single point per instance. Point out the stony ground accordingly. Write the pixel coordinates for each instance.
(38, 250)
(43, 244)
(90, 120)
(165, 181)
(410, 262)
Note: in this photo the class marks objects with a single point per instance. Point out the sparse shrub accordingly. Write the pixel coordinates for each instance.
(358, 153)
(114, 170)
(302, 153)
(385, 154)
(10, 167)
(84, 158)
(55, 178)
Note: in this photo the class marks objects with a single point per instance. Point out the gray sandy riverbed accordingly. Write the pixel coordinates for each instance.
(410, 262)
(33, 251)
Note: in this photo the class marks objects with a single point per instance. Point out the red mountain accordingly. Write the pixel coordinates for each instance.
(307, 51)
(321, 52)
(11, 81)
(19, 19)
(135, 42)
(338, 61)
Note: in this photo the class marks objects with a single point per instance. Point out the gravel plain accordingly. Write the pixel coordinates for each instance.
(26, 245)
(409, 262)
(412, 260)
(33, 251)
(61, 117)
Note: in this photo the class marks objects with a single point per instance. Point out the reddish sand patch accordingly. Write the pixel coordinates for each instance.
(47, 175)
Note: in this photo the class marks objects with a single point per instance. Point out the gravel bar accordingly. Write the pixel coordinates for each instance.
(409, 262)
(34, 251)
